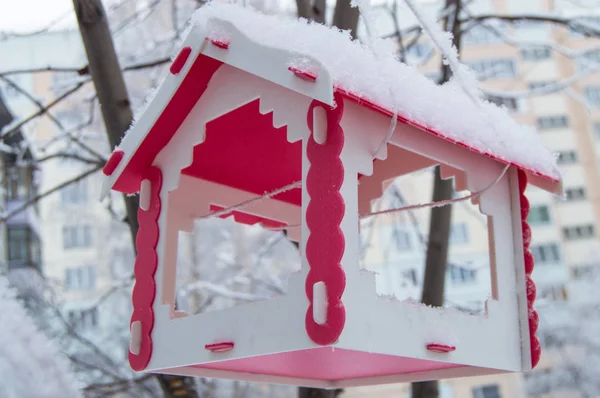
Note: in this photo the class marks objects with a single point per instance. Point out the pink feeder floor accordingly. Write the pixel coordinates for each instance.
(326, 363)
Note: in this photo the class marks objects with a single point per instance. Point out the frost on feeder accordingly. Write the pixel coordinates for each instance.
(253, 104)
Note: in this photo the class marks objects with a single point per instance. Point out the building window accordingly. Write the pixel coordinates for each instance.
(588, 59)
(540, 85)
(509, 103)
(74, 193)
(77, 237)
(402, 239)
(489, 391)
(567, 157)
(63, 81)
(545, 253)
(596, 128)
(9, 91)
(84, 319)
(581, 29)
(80, 278)
(19, 182)
(482, 34)
(410, 276)
(23, 247)
(461, 274)
(418, 51)
(553, 293)
(539, 215)
(494, 68)
(583, 271)
(575, 193)
(592, 95)
(535, 53)
(459, 234)
(552, 122)
(579, 232)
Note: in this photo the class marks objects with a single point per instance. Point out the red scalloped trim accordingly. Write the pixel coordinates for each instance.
(326, 244)
(536, 347)
(144, 289)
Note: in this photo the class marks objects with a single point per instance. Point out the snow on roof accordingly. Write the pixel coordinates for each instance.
(353, 67)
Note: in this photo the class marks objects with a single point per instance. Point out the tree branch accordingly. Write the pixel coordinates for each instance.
(570, 23)
(37, 198)
(42, 111)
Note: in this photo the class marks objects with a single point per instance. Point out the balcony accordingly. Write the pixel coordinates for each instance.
(28, 217)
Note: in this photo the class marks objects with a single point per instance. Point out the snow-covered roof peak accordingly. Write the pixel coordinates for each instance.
(356, 69)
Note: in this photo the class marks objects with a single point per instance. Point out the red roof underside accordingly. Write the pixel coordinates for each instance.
(243, 150)
(190, 90)
(268, 155)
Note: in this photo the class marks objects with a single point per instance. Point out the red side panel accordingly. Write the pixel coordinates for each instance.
(190, 90)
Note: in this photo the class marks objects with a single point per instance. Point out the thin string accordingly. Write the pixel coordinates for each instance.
(297, 184)
(439, 203)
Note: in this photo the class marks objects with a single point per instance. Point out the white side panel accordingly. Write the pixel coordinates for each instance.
(269, 326)
(387, 326)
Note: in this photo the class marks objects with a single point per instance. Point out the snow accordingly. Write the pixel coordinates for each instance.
(454, 110)
(32, 363)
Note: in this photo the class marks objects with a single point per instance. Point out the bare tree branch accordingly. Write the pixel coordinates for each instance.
(37, 198)
(42, 111)
(30, 98)
(572, 23)
(85, 70)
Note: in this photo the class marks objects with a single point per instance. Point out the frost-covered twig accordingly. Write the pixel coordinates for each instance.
(32, 364)
(569, 22)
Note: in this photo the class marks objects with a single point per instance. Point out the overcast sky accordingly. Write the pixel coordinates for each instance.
(29, 15)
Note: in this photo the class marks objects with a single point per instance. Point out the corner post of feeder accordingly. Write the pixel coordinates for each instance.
(323, 211)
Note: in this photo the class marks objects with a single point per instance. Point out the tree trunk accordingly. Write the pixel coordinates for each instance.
(345, 17)
(439, 224)
(117, 115)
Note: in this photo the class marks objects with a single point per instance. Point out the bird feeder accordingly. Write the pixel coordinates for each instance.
(252, 104)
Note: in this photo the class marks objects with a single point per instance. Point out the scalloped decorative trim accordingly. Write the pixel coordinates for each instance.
(326, 244)
(146, 262)
(536, 347)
